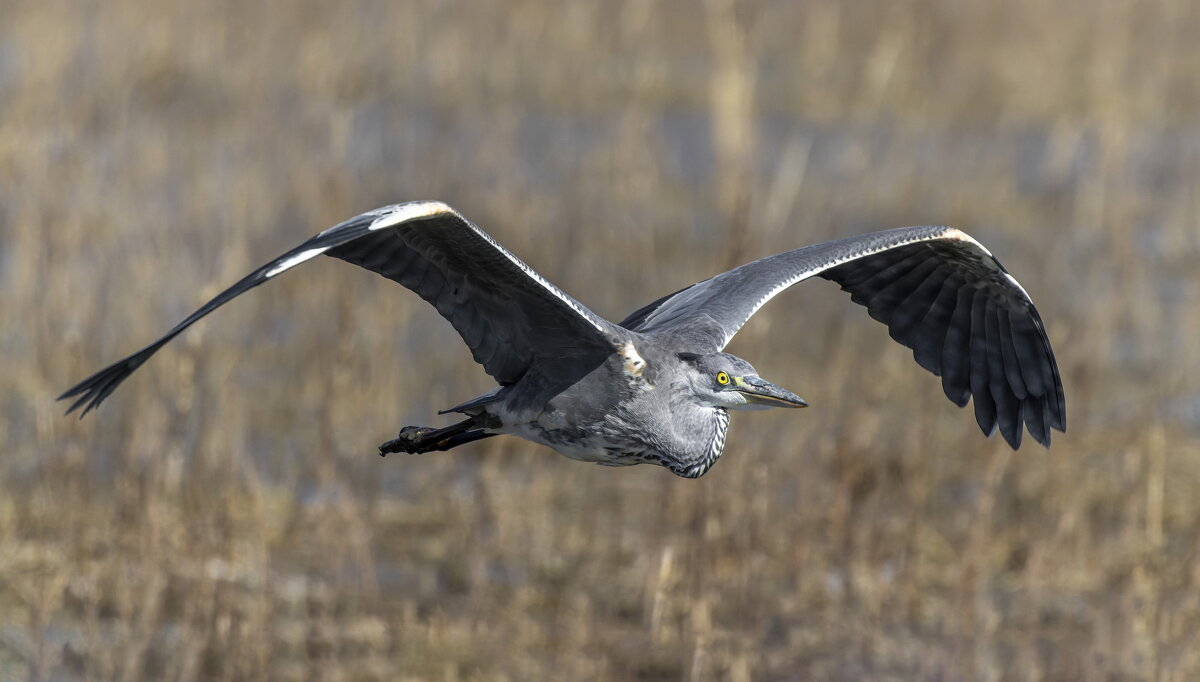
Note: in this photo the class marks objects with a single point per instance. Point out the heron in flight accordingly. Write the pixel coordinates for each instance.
(656, 387)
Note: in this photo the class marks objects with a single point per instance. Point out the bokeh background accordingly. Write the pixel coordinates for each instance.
(225, 517)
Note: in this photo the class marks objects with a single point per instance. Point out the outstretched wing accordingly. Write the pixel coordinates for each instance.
(940, 293)
(509, 316)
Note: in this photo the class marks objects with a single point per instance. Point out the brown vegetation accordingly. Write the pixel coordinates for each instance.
(224, 517)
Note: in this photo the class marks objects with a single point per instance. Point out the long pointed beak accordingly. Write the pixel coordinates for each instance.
(761, 392)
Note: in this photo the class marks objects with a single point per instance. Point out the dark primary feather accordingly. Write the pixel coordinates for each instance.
(508, 316)
(957, 298)
(939, 293)
(956, 349)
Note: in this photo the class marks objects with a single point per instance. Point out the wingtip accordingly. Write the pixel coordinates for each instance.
(1059, 417)
(92, 391)
(1044, 441)
(71, 392)
(1013, 437)
(959, 397)
(78, 402)
(1046, 436)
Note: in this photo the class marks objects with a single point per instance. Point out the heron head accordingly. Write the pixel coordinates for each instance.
(725, 380)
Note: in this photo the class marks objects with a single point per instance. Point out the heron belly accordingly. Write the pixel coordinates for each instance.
(590, 421)
(584, 446)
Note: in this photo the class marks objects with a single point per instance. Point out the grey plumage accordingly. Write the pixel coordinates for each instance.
(656, 387)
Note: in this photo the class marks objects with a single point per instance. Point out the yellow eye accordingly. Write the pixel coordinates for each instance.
(722, 378)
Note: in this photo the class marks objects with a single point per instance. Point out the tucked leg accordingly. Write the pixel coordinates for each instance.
(416, 440)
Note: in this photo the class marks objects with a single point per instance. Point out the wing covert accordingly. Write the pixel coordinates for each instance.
(506, 313)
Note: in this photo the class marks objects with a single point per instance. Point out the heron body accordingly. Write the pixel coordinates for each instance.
(657, 387)
(621, 414)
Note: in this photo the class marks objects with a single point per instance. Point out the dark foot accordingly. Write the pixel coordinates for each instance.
(409, 441)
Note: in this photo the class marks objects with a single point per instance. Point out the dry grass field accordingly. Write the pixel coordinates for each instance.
(224, 515)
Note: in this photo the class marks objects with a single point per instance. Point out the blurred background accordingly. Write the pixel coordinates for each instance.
(225, 517)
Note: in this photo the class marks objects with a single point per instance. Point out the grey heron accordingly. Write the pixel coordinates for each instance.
(656, 387)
